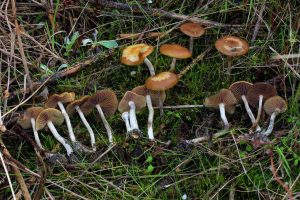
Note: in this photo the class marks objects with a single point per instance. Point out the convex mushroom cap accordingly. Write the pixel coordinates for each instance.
(50, 114)
(162, 81)
(275, 104)
(264, 89)
(65, 97)
(135, 54)
(175, 51)
(71, 106)
(139, 101)
(232, 46)
(240, 88)
(192, 29)
(25, 119)
(155, 95)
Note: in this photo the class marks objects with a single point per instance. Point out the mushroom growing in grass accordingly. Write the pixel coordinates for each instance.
(132, 103)
(152, 99)
(174, 51)
(225, 101)
(240, 89)
(53, 117)
(193, 30)
(257, 94)
(137, 54)
(73, 107)
(231, 46)
(106, 103)
(273, 106)
(27, 120)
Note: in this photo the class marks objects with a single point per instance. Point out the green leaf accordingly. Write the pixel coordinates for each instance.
(150, 169)
(110, 44)
(149, 159)
(70, 42)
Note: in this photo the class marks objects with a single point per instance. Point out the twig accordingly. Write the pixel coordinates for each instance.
(205, 138)
(286, 56)
(180, 106)
(258, 23)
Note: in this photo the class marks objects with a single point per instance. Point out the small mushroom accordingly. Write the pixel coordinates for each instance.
(137, 54)
(73, 107)
(174, 51)
(273, 106)
(258, 93)
(193, 30)
(162, 81)
(240, 89)
(27, 120)
(130, 103)
(231, 46)
(225, 101)
(53, 117)
(106, 103)
(152, 99)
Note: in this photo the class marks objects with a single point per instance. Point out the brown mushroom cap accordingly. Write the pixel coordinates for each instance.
(139, 101)
(162, 81)
(71, 106)
(192, 29)
(135, 54)
(265, 89)
(65, 97)
(175, 51)
(50, 114)
(240, 88)
(275, 104)
(224, 96)
(25, 119)
(232, 46)
(155, 95)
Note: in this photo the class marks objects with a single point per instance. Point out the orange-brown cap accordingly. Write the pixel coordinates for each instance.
(275, 104)
(240, 88)
(135, 54)
(107, 100)
(65, 97)
(232, 46)
(50, 114)
(192, 29)
(175, 51)
(264, 89)
(224, 96)
(155, 95)
(71, 106)
(25, 119)
(139, 101)
(162, 81)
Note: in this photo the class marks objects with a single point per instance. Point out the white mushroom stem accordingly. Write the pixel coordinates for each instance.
(223, 115)
(150, 66)
(271, 125)
(60, 138)
(172, 66)
(125, 117)
(88, 127)
(150, 117)
(132, 116)
(68, 121)
(35, 134)
(250, 113)
(191, 44)
(106, 124)
(260, 102)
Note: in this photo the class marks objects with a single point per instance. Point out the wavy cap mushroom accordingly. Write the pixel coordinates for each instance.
(193, 30)
(257, 94)
(137, 54)
(225, 101)
(52, 117)
(174, 51)
(132, 103)
(106, 103)
(274, 106)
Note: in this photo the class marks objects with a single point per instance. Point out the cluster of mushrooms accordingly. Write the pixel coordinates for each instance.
(151, 94)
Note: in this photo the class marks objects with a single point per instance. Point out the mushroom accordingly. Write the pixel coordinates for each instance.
(73, 107)
(174, 51)
(106, 103)
(130, 103)
(27, 120)
(258, 93)
(225, 101)
(53, 117)
(137, 54)
(193, 30)
(152, 99)
(273, 106)
(231, 46)
(240, 89)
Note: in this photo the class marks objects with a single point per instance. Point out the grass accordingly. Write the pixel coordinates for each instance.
(210, 170)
